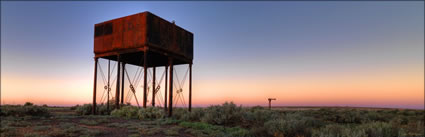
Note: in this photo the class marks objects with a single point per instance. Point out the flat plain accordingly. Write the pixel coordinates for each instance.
(227, 119)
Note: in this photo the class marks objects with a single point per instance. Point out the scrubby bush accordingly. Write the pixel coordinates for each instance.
(226, 114)
(27, 110)
(127, 112)
(351, 116)
(215, 130)
(74, 107)
(415, 129)
(237, 132)
(101, 109)
(85, 109)
(291, 125)
(28, 104)
(184, 114)
(255, 117)
(180, 113)
(337, 130)
(344, 116)
(380, 129)
(381, 115)
(258, 116)
(168, 121)
(195, 115)
(285, 127)
(151, 113)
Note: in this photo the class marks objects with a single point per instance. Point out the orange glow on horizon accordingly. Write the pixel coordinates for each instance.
(373, 88)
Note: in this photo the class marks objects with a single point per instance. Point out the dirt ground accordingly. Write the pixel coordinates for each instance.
(65, 123)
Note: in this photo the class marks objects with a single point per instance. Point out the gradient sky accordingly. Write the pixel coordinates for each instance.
(367, 54)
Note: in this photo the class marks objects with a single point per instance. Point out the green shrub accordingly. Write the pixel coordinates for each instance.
(351, 116)
(200, 126)
(337, 130)
(416, 129)
(172, 131)
(196, 114)
(382, 116)
(74, 107)
(343, 116)
(180, 113)
(258, 116)
(291, 125)
(380, 129)
(151, 113)
(215, 131)
(101, 109)
(85, 109)
(89, 122)
(237, 132)
(28, 104)
(407, 112)
(226, 114)
(184, 114)
(257, 108)
(127, 112)
(255, 119)
(168, 121)
(27, 110)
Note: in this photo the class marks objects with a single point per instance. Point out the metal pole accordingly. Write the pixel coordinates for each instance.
(117, 92)
(122, 85)
(145, 76)
(190, 87)
(270, 104)
(170, 105)
(153, 86)
(107, 101)
(165, 89)
(94, 86)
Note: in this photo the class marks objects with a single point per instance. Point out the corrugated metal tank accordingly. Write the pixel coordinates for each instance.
(141, 30)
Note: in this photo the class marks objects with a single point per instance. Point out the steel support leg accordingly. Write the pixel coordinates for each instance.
(122, 85)
(153, 86)
(165, 88)
(109, 89)
(170, 105)
(145, 77)
(117, 92)
(94, 86)
(190, 87)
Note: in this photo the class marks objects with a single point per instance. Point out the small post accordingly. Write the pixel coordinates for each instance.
(270, 102)
(122, 85)
(145, 77)
(94, 86)
(170, 102)
(117, 91)
(190, 87)
(165, 87)
(153, 86)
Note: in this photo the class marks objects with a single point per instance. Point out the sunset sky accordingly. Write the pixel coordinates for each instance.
(368, 54)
